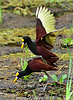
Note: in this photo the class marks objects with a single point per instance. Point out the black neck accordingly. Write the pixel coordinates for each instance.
(24, 73)
(29, 41)
(31, 45)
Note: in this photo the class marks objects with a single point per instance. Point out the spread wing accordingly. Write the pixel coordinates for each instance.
(51, 37)
(45, 22)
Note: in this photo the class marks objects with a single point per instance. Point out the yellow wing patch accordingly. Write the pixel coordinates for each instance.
(51, 37)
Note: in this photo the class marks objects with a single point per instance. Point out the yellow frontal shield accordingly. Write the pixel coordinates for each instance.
(16, 77)
(22, 44)
(22, 40)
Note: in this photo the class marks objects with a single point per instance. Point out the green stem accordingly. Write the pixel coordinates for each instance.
(70, 95)
(34, 94)
(70, 62)
(68, 88)
(0, 13)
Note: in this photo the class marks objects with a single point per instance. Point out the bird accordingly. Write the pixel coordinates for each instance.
(35, 65)
(45, 35)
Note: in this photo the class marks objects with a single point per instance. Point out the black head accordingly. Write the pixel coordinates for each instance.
(26, 39)
(22, 73)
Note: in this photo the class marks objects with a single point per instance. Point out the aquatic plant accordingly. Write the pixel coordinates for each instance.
(24, 62)
(68, 40)
(69, 82)
(0, 13)
(34, 94)
(54, 77)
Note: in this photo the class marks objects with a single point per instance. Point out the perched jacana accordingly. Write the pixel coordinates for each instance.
(45, 34)
(35, 65)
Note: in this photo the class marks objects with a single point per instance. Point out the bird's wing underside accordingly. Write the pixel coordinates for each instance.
(51, 37)
(45, 22)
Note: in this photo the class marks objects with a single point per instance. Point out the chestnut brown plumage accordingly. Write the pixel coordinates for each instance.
(45, 34)
(35, 65)
(39, 49)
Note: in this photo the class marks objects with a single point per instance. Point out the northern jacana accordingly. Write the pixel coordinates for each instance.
(35, 65)
(45, 34)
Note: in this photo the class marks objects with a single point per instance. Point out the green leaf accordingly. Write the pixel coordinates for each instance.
(69, 39)
(61, 80)
(52, 1)
(54, 84)
(54, 77)
(40, 80)
(64, 76)
(43, 79)
(64, 40)
(27, 77)
(71, 43)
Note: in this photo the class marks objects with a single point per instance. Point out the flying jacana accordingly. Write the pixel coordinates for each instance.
(35, 65)
(45, 34)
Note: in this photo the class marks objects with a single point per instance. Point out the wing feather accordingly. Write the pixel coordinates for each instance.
(45, 26)
(51, 37)
(46, 18)
(37, 11)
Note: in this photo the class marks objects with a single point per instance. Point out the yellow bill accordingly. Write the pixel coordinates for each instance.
(22, 45)
(15, 79)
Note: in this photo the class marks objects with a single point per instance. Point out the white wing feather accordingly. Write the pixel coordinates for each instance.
(47, 19)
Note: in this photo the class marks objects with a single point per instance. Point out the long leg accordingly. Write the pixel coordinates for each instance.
(47, 81)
